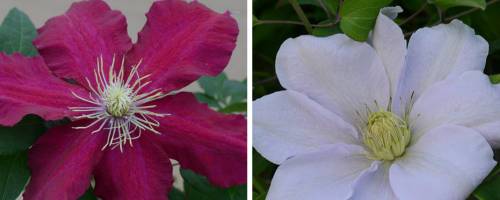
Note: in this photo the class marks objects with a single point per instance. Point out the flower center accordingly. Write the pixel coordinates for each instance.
(119, 105)
(386, 135)
(118, 100)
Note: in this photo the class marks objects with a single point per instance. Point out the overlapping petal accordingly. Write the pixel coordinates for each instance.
(182, 41)
(388, 41)
(318, 175)
(71, 43)
(62, 161)
(448, 162)
(288, 123)
(374, 184)
(337, 72)
(28, 87)
(139, 172)
(205, 141)
(469, 100)
(437, 53)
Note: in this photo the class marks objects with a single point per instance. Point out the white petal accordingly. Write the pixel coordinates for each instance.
(491, 131)
(388, 41)
(339, 73)
(447, 163)
(288, 123)
(391, 12)
(321, 175)
(468, 100)
(374, 185)
(439, 52)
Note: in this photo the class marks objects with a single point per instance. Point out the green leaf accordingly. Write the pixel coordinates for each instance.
(219, 92)
(16, 34)
(197, 187)
(207, 99)
(495, 78)
(325, 31)
(240, 107)
(358, 17)
(445, 4)
(22, 135)
(488, 190)
(88, 195)
(176, 194)
(255, 21)
(14, 174)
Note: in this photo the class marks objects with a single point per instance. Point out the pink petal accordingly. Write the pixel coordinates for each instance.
(139, 172)
(62, 161)
(27, 86)
(71, 43)
(207, 142)
(182, 41)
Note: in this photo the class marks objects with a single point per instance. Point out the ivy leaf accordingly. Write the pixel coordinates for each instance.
(358, 17)
(197, 187)
(22, 135)
(445, 4)
(16, 34)
(219, 92)
(14, 174)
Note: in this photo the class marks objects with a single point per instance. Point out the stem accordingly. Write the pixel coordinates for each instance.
(414, 14)
(267, 80)
(258, 185)
(301, 14)
(468, 11)
(337, 18)
(328, 13)
(260, 22)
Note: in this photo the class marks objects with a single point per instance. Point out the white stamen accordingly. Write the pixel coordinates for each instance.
(118, 105)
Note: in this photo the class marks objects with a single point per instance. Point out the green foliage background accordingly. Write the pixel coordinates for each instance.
(16, 35)
(276, 20)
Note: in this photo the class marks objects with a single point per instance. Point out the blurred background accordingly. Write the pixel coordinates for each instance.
(276, 20)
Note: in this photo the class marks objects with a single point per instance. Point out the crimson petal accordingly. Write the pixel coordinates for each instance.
(139, 172)
(28, 87)
(207, 142)
(62, 161)
(182, 41)
(71, 43)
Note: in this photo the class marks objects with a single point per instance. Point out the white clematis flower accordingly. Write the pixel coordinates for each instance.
(379, 120)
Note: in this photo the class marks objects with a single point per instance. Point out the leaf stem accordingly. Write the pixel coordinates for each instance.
(415, 14)
(260, 22)
(258, 185)
(327, 11)
(468, 11)
(302, 15)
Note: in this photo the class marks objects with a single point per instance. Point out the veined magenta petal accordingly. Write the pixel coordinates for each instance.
(28, 87)
(71, 43)
(62, 161)
(205, 141)
(182, 41)
(139, 172)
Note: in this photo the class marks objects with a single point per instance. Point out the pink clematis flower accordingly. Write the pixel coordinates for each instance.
(126, 122)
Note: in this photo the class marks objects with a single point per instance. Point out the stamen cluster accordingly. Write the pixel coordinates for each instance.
(386, 135)
(119, 105)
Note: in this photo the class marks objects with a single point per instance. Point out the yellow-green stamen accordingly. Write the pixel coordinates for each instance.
(386, 135)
